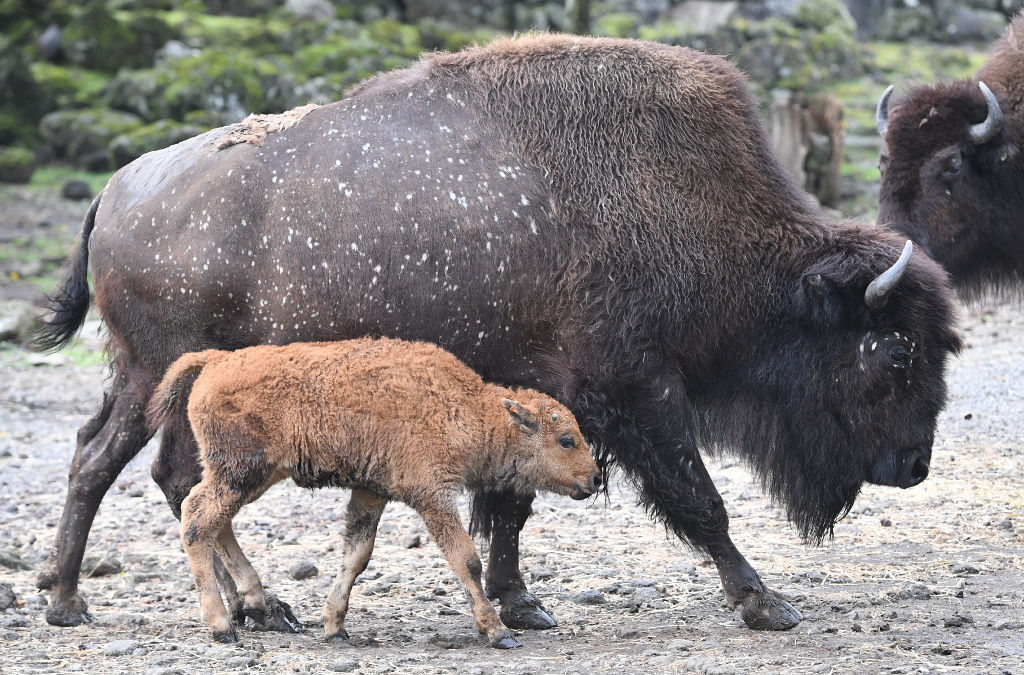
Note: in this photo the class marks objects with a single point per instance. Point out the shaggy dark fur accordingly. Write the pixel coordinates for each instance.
(603, 220)
(963, 202)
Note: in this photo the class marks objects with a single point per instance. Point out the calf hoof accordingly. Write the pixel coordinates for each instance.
(769, 611)
(278, 617)
(523, 611)
(227, 637)
(71, 612)
(337, 638)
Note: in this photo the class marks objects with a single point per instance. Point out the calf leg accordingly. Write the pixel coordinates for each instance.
(652, 438)
(176, 469)
(106, 443)
(443, 523)
(207, 510)
(243, 578)
(364, 510)
(501, 516)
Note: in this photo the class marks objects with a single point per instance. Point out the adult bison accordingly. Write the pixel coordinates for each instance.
(952, 174)
(600, 219)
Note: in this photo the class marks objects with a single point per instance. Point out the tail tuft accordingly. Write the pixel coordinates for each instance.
(172, 391)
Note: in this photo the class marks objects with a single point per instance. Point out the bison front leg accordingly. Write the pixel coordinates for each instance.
(362, 517)
(443, 523)
(654, 443)
(501, 516)
(106, 443)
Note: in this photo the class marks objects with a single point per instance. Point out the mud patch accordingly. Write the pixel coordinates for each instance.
(254, 129)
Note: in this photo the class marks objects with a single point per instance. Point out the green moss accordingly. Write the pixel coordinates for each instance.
(81, 136)
(52, 177)
(16, 165)
(69, 86)
(617, 24)
(923, 63)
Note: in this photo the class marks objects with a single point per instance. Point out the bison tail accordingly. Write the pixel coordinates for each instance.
(71, 302)
(173, 388)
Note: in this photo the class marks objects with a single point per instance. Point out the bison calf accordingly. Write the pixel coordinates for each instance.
(392, 420)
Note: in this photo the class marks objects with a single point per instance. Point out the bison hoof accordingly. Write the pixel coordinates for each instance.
(227, 637)
(769, 611)
(278, 617)
(71, 612)
(338, 638)
(523, 611)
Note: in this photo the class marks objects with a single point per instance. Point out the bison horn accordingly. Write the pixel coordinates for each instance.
(884, 284)
(882, 111)
(984, 132)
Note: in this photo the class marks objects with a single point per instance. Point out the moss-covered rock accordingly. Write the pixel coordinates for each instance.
(82, 136)
(617, 24)
(823, 14)
(68, 86)
(137, 142)
(16, 165)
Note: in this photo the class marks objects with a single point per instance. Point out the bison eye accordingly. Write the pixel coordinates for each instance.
(952, 167)
(567, 442)
(900, 356)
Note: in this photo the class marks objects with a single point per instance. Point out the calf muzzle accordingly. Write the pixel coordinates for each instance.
(584, 490)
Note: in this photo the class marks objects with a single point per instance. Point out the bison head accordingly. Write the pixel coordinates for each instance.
(951, 180)
(848, 386)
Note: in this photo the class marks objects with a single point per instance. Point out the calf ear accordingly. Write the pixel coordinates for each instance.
(526, 420)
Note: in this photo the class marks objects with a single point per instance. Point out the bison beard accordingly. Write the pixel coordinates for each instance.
(602, 220)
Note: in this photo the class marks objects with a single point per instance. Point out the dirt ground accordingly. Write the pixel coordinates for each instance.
(923, 580)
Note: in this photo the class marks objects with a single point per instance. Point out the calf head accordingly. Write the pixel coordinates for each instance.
(550, 451)
(951, 180)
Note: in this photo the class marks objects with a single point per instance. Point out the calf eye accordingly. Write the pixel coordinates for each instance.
(567, 442)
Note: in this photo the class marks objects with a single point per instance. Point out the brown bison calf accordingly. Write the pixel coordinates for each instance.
(390, 419)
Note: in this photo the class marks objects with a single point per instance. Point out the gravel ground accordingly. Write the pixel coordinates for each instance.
(923, 580)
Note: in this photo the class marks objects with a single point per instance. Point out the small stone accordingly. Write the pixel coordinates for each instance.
(591, 597)
(965, 568)
(885, 522)
(136, 492)
(96, 566)
(16, 621)
(7, 597)
(953, 621)
(1004, 524)
(11, 559)
(439, 591)
(627, 633)
(76, 189)
(412, 541)
(303, 570)
(1009, 624)
(121, 619)
(119, 647)
(542, 573)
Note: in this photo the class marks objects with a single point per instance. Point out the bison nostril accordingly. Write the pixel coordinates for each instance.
(919, 471)
(595, 481)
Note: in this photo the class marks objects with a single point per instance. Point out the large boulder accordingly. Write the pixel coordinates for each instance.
(160, 134)
(16, 165)
(972, 25)
(98, 40)
(315, 10)
(82, 136)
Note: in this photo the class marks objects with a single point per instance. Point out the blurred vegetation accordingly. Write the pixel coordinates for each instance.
(124, 77)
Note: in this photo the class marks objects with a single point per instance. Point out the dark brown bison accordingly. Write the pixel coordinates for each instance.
(603, 220)
(952, 174)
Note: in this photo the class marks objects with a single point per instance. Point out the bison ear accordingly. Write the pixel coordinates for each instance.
(526, 420)
(820, 297)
